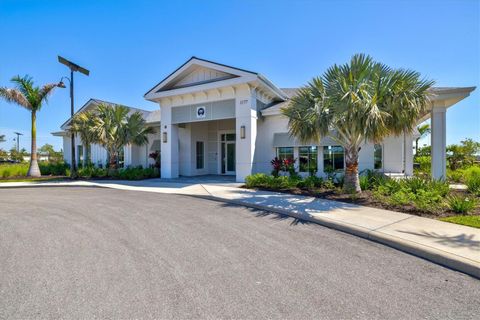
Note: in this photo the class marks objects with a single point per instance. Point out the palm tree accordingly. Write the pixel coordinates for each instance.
(113, 128)
(424, 131)
(360, 101)
(83, 124)
(26, 95)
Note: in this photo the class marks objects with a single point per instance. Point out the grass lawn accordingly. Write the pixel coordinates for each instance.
(471, 221)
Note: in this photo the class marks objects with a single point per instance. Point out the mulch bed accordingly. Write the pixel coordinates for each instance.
(366, 199)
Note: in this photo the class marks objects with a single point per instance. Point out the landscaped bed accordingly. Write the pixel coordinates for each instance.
(59, 171)
(418, 196)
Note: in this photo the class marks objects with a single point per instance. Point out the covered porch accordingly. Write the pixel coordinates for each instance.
(443, 98)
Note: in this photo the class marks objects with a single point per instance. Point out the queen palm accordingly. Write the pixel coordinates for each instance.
(113, 128)
(30, 97)
(360, 101)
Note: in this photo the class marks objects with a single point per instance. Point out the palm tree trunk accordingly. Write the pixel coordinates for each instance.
(34, 170)
(351, 182)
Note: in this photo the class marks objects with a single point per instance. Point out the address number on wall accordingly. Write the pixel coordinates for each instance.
(244, 101)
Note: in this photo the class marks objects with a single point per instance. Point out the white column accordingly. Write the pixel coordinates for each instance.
(169, 148)
(408, 154)
(320, 172)
(439, 142)
(246, 116)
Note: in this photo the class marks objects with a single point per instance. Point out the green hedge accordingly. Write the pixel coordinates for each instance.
(136, 173)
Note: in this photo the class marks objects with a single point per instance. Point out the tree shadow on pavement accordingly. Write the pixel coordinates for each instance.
(459, 241)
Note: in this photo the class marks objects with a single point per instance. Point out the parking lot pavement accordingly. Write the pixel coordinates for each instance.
(90, 252)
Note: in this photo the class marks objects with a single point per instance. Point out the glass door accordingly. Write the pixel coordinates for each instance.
(227, 150)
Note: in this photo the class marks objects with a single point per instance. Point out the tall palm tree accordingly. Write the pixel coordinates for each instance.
(362, 100)
(83, 124)
(114, 128)
(26, 95)
(424, 131)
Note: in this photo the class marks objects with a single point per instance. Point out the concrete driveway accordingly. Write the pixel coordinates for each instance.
(104, 253)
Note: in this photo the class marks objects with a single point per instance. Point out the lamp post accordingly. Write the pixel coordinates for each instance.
(18, 140)
(73, 68)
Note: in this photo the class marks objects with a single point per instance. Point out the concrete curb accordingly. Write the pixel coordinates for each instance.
(440, 257)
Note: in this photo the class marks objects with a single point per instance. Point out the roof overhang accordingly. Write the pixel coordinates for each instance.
(441, 97)
(445, 97)
(235, 77)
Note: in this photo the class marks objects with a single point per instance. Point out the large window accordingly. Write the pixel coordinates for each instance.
(80, 155)
(378, 156)
(307, 157)
(285, 153)
(333, 158)
(200, 154)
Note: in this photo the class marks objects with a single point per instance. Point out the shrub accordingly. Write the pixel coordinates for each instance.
(364, 183)
(428, 201)
(256, 180)
(472, 179)
(455, 175)
(53, 168)
(14, 170)
(400, 198)
(461, 204)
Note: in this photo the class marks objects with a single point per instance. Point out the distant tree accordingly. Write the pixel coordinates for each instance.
(49, 151)
(2, 138)
(424, 131)
(3, 155)
(18, 156)
(30, 97)
(463, 154)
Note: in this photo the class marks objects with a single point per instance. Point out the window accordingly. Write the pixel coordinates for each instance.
(285, 153)
(88, 154)
(307, 157)
(121, 158)
(333, 158)
(377, 156)
(200, 155)
(79, 155)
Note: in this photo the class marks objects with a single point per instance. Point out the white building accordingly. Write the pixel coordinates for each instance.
(218, 119)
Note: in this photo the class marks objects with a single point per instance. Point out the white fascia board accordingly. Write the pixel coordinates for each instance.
(194, 61)
(154, 96)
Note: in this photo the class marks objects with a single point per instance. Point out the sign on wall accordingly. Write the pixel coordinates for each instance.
(201, 112)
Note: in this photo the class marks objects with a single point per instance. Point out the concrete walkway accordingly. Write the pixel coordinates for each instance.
(451, 245)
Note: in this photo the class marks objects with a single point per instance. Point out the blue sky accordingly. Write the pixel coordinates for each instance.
(131, 45)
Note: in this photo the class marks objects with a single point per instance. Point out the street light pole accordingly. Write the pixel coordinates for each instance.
(18, 140)
(73, 171)
(73, 67)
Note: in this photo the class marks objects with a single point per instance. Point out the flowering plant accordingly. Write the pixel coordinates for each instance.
(277, 166)
(155, 156)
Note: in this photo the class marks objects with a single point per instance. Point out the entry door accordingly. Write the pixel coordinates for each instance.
(228, 153)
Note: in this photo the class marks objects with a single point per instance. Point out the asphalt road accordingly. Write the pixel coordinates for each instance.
(100, 253)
